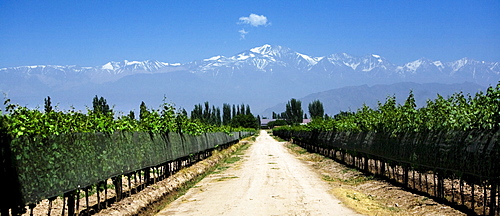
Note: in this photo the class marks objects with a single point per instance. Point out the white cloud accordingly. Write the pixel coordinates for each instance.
(242, 33)
(254, 20)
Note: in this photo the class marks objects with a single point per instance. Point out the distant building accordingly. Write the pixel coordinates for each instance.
(305, 121)
(264, 122)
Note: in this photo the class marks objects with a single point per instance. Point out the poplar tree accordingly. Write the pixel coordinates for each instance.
(316, 109)
(48, 105)
(143, 111)
(294, 113)
(226, 114)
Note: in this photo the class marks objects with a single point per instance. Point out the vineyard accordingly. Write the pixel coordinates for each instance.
(448, 149)
(48, 154)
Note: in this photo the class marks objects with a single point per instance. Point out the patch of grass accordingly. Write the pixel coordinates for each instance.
(278, 138)
(242, 149)
(313, 157)
(226, 178)
(231, 160)
(353, 197)
(275, 168)
(253, 138)
(270, 155)
(300, 151)
(271, 163)
(357, 180)
(219, 169)
(344, 171)
(362, 203)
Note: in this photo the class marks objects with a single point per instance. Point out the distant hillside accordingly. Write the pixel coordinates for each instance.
(353, 97)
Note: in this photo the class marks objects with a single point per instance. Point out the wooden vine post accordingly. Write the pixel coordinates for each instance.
(71, 202)
(117, 181)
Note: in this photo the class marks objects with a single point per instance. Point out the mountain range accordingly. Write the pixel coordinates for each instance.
(351, 98)
(262, 77)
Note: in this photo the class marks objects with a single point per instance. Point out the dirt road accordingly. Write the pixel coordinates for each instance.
(267, 181)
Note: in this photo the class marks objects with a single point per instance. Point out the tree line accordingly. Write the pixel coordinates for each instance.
(294, 115)
(232, 115)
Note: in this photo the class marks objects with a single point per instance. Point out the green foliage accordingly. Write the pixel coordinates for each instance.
(294, 113)
(101, 107)
(457, 135)
(65, 150)
(21, 121)
(64, 162)
(457, 112)
(245, 121)
(278, 122)
(208, 115)
(316, 109)
(226, 114)
(143, 111)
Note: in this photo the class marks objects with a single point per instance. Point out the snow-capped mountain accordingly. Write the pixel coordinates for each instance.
(340, 66)
(266, 58)
(275, 71)
(278, 59)
(110, 71)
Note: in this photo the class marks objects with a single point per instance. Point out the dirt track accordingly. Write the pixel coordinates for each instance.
(268, 181)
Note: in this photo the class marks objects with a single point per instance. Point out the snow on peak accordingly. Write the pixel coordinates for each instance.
(352, 65)
(131, 62)
(242, 56)
(309, 59)
(317, 59)
(438, 64)
(459, 64)
(262, 49)
(108, 66)
(414, 65)
(379, 59)
(215, 58)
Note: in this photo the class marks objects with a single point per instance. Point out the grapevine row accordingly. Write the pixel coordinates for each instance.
(455, 139)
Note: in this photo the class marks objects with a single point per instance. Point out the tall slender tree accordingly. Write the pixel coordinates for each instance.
(100, 106)
(143, 111)
(206, 112)
(48, 105)
(131, 114)
(316, 109)
(226, 114)
(242, 109)
(294, 113)
(234, 111)
(247, 110)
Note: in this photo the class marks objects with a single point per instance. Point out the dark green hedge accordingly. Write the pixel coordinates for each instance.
(473, 154)
(35, 168)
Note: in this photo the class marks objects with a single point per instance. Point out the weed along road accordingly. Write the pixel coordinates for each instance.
(266, 180)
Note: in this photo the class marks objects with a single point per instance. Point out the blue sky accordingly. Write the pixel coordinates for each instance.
(91, 33)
